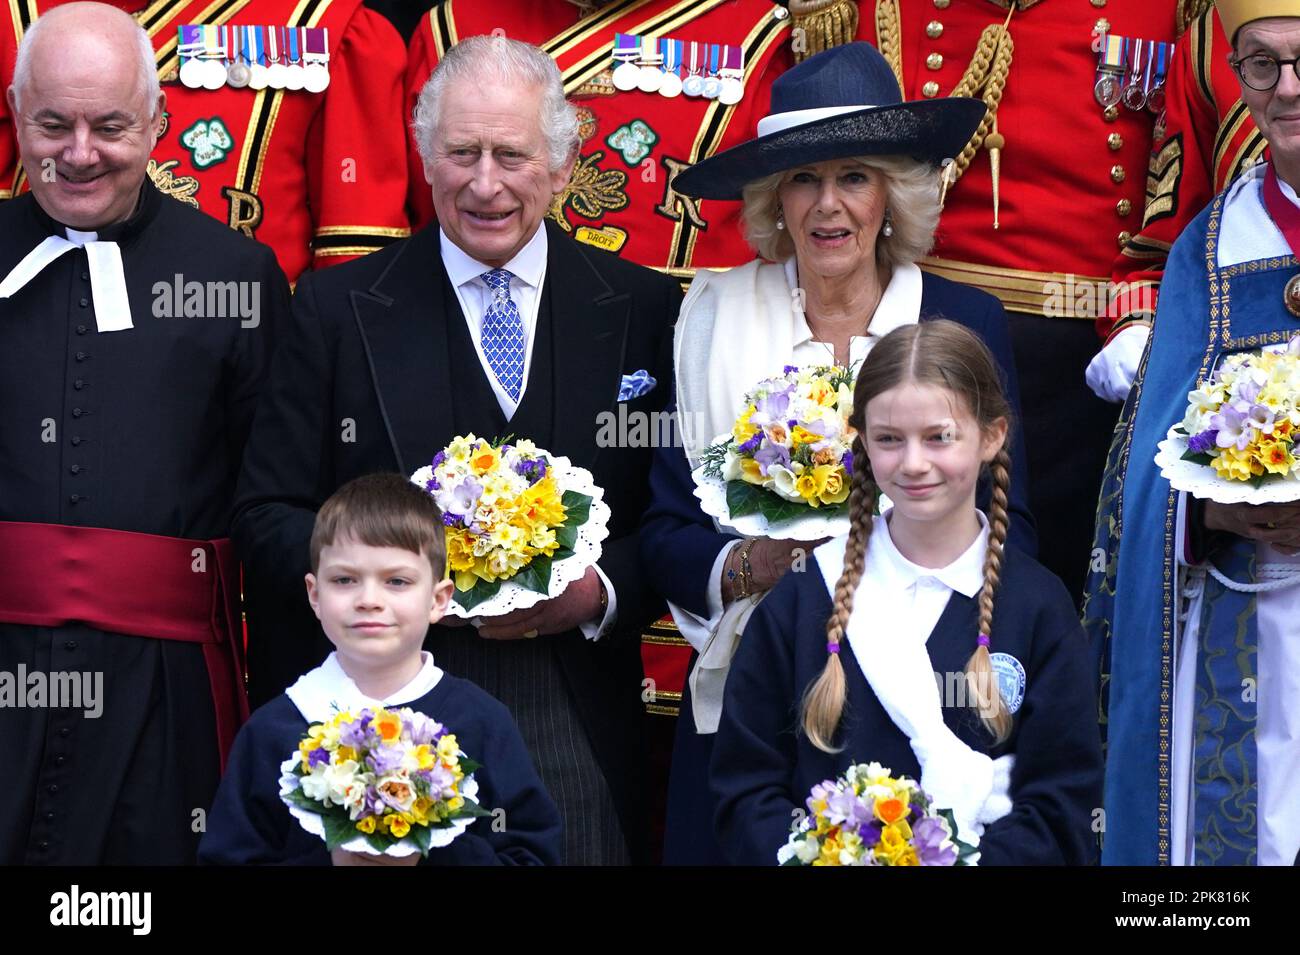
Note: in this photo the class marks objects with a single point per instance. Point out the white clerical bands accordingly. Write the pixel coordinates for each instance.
(107, 281)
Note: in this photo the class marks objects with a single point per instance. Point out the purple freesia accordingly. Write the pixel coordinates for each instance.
(750, 446)
(789, 368)
(1232, 428)
(317, 757)
(1261, 419)
(383, 760)
(354, 734)
(1248, 390)
(847, 461)
(533, 470)
(928, 836)
(1203, 443)
(869, 833)
(463, 498)
(775, 405)
(771, 454)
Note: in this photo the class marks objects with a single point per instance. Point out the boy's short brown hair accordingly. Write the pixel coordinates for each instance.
(382, 510)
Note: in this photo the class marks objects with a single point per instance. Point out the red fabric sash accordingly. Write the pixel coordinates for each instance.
(144, 585)
(1283, 212)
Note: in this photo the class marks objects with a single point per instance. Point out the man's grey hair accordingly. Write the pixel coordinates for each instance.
(144, 52)
(498, 60)
(911, 198)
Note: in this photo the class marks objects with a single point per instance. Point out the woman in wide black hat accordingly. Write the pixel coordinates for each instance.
(841, 192)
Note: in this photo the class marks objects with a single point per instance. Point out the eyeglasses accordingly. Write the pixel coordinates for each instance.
(1261, 72)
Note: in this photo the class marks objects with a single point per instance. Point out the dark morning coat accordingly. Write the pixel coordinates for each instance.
(680, 544)
(379, 373)
(763, 767)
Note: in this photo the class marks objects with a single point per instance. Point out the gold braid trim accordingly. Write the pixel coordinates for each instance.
(822, 24)
(1188, 12)
(889, 37)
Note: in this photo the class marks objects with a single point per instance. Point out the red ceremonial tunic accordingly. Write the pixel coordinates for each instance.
(1209, 139)
(319, 177)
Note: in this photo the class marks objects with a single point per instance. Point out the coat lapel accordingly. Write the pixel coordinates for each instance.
(589, 323)
(401, 321)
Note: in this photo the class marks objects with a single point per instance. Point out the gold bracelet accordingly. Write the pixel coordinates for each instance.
(746, 569)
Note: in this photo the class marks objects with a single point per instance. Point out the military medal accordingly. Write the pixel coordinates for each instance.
(1134, 94)
(671, 84)
(1156, 90)
(733, 71)
(295, 74)
(237, 74)
(693, 85)
(712, 85)
(275, 72)
(214, 56)
(1110, 71)
(650, 74)
(257, 71)
(627, 73)
(190, 46)
(315, 50)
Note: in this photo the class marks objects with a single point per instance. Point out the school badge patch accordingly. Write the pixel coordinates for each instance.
(1010, 675)
(633, 141)
(208, 141)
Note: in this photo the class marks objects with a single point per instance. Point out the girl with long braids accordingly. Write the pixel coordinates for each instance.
(919, 640)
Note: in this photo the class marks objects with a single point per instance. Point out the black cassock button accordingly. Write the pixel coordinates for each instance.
(84, 302)
(76, 441)
(43, 846)
(54, 789)
(49, 817)
(78, 384)
(70, 645)
(66, 731)
(74, 498)
(85, 276)
(60, 760)
(76, 412)
(81, 356)
(75, 469)
(81, 329)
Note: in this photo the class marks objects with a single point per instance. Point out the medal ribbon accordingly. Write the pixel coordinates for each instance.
(649, 51)
(732, 62)
(272, 46)
(315, 44)
(1281, 210)
(693, 58)
(713, 59)
(1113, 54)
(671, 51)
(294, 58)
(626, 47)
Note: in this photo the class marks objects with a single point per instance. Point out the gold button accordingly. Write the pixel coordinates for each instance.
(1111, 113)
(934, 61)
(942, 4)
(1117, 173)
(1098, 3)
(934, 29)
(1123, 207)
(930, 90)
(1115, 141)
(1123, 238)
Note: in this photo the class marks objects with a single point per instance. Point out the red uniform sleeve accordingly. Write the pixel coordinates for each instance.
(8, 142)
(356, 177)
(1180, 177)
(421, 59)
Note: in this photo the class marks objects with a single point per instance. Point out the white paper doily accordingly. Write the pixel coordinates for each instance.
(314, 823)
(1199, 480)
(586, 550)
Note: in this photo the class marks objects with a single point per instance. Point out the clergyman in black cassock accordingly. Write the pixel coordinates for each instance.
(382, 369)
(109, 427)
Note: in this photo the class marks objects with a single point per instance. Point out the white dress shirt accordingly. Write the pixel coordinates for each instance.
(529, 269)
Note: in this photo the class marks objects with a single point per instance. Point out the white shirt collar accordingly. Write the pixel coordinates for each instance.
(528, 265)
(320, 692)
(900, 304)
(965, 575)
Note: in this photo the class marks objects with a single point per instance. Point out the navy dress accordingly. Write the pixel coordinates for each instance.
(680, 544)
(249, 825)
(763, 766)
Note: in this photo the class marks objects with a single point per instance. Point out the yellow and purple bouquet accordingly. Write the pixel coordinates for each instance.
(868, 817)
(381, 781)
(516, 518)
(1236, 442)
(789, 453)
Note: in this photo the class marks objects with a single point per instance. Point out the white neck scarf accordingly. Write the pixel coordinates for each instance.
(107, 280)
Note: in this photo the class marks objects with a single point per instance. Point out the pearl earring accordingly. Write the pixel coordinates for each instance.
(780, 220)
(888, 228)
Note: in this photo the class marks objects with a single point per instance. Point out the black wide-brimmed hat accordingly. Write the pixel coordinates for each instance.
(842, 102)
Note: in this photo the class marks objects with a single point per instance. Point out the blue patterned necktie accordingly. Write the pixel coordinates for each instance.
(503, 334)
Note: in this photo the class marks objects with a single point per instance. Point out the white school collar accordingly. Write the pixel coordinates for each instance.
(319, 693)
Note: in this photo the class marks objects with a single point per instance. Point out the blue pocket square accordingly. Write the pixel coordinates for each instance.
(635, 385)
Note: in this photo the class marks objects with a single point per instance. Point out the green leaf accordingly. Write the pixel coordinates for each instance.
(378, 841)
(468, 766)
(472, 810)
(421, 836)
(338, 829)
(1179, 429)
(793, 860)
(1258, 481)
(481, 591)
(1198, 457)
(744, 499)
(303, 801)
(536, 576)
(577, 508)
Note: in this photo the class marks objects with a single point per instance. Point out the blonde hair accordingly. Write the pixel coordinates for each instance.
(949, 356)
(911, 197)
